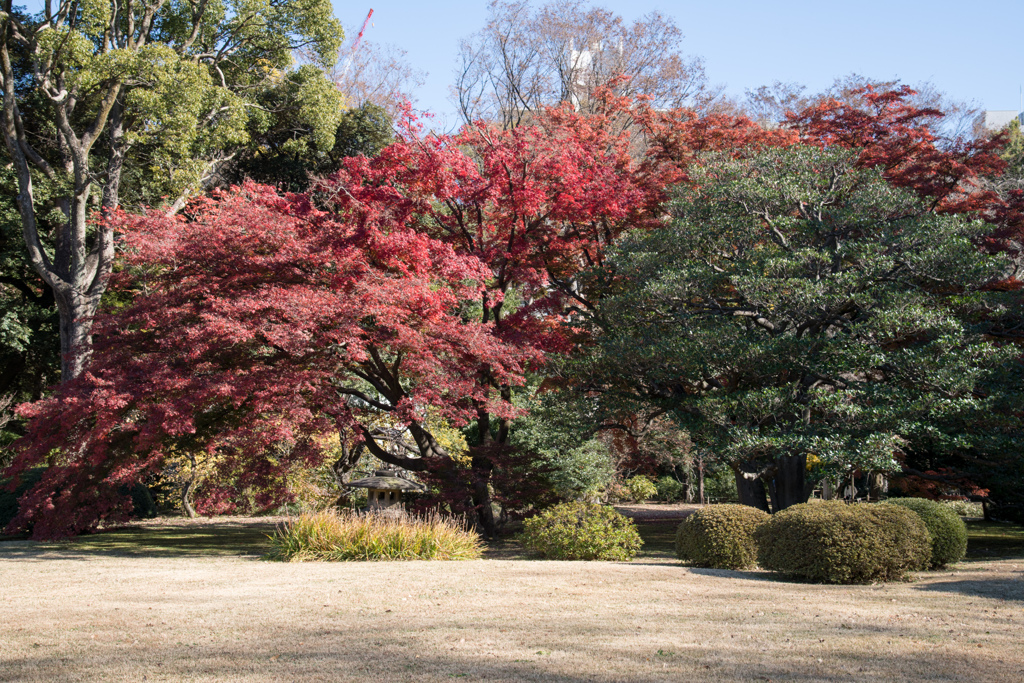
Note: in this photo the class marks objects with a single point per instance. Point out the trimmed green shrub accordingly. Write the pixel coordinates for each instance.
(948, 532)
(720, 536)
(375, 536)
(641, 488)
(670, 489)
(581, 531)
(832, 542)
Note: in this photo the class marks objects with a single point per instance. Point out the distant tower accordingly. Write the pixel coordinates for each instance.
(582, 65)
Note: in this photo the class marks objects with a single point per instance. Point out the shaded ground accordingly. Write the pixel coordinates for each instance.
(994, 539)
(192, 601)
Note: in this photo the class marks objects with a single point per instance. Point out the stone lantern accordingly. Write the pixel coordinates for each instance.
(385, 488)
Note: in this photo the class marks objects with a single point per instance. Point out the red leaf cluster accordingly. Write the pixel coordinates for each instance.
(253, 314)
(899, 138)
(260, 322)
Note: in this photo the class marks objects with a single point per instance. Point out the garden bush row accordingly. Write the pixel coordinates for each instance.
(828, 542)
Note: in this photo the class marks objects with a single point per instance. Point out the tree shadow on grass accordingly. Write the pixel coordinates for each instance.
(177, 541)
(991, 540)
(998, 588)
(372, 651)
(739, 574)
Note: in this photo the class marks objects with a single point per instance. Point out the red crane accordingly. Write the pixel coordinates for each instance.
(355, 46)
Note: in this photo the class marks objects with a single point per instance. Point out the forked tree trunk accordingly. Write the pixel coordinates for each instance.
(787, 482)
(751, 491)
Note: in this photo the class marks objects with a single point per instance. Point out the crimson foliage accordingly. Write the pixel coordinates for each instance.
(431, 283)
(261, 323)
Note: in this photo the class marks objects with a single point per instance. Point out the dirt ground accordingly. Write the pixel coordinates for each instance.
(123, 608)
(650, 512)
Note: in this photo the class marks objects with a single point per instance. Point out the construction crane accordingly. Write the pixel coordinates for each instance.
(355, 46)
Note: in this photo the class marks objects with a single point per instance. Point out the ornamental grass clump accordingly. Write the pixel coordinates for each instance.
(832, 542)
(333, 536)
(581, 531)
(720, 536)
(948, 532)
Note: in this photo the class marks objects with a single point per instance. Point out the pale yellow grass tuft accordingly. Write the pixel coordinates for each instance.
(336, 536)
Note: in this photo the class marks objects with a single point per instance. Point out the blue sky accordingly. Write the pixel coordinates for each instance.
(971, 54)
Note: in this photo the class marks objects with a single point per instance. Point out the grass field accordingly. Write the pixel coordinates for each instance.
(193, 601)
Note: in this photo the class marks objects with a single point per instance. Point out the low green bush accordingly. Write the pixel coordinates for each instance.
(641, 488)
(670, 489)
(720, 536)
(374, 536)
(948, 532)
(581, 531)
(832, 542)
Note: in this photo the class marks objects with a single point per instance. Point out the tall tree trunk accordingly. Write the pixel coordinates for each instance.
(751, 491)
(78, 273)
(481, 495)
(791, 486)
(190, 485)
(700, 477)
(76, 313)
(878, 486)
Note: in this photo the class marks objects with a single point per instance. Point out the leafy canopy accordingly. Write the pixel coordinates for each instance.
(800, 304)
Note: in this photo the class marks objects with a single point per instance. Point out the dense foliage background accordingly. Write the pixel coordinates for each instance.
(252, 285)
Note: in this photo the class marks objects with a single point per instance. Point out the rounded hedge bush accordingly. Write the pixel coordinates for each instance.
(641, 488)
(833, 542)
(947, 530)
(720, 536)
(581, 531)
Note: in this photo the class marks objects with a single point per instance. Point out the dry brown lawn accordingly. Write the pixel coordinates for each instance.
(176, 610)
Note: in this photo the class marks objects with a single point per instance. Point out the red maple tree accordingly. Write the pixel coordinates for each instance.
(901, 140)
(261, 324)
(431, 278)
(535, 204)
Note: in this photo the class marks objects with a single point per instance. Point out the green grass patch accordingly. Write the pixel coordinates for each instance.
(986, 540)
(207, 540)
(659, 538)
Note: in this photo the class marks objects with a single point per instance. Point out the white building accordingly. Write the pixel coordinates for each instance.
(997, 120)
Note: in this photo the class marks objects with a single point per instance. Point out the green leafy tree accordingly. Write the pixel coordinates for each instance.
(156, 93)
(29, 361)
(297, 146)
(565, 449)
(799, 304)
(1013, 152)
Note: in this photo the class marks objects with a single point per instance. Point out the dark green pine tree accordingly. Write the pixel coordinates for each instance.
(801, 315)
